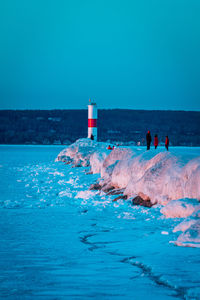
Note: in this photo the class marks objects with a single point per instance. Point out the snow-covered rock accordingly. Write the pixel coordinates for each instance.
(80, 152)
(97, 159)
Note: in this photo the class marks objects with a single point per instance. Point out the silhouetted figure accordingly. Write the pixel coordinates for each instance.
(156, 141)
(166, 142)
(92, 137)
(148, 138)
(110, 148)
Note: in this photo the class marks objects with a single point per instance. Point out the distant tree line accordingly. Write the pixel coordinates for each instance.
(65, 126)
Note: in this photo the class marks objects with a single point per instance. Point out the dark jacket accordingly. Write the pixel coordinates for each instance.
(148, 138)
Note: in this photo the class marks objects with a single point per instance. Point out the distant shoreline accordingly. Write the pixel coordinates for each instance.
(52, 145)
(126, 126)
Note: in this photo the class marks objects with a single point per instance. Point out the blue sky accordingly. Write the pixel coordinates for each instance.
(123, 54)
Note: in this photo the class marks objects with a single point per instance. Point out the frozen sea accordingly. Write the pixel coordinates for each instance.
(60, 241)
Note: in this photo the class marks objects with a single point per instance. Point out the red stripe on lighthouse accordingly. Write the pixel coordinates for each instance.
(92, 122)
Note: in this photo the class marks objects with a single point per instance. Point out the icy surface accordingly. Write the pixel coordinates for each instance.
(59, 240)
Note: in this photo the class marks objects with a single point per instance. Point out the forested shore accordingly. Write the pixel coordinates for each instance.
(114, 125)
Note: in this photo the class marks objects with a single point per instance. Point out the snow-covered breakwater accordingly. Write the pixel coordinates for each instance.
(170, 179)
(160, 176)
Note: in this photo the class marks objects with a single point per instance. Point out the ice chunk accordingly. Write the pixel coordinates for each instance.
(190, 237)
(85, 194)
(180, 208)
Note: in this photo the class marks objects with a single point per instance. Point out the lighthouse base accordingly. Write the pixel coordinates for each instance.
(92, 131)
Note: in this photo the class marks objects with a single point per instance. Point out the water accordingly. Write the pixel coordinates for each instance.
(60, 241)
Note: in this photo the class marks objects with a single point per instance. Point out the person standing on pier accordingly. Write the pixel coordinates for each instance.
(156, 141)
(166, 142)
(148, 139)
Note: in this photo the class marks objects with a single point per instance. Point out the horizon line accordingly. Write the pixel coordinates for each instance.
(138, 109)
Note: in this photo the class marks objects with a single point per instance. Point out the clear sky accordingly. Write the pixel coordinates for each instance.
(142, 54)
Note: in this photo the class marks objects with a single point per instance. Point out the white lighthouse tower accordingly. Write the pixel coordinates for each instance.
(92, 120)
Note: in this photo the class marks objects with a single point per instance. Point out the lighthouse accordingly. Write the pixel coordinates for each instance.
(92, 120)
